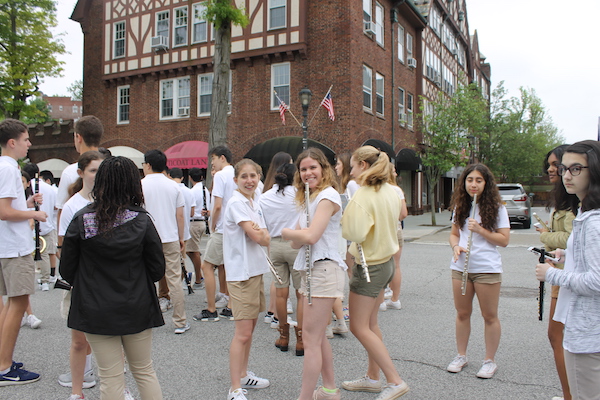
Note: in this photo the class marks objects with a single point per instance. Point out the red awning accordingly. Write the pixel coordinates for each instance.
(186, 155)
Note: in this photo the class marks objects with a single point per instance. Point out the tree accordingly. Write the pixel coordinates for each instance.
(519, 135)
(37, 112)
(28, 52)
(447, 124)
(76, 90)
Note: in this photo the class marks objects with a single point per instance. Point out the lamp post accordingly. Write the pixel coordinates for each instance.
(305, 96)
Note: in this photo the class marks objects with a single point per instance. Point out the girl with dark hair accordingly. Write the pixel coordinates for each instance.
(322, 237)
(112, 255)
(490, 228)
(560, 227)
(280, 158)
(578, 304)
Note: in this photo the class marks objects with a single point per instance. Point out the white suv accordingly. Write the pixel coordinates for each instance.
(517, 202)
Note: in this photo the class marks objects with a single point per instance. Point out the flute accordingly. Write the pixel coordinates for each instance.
(363, 262)
(308, 248)
(186, 277)
(542, 288)
(205, 209)
(541, 221)
(272, 267)
(38, 251)
(465, 274)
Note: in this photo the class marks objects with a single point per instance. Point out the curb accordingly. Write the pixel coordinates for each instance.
(433, 232)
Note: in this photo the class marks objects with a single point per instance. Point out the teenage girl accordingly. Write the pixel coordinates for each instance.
(490, 228)
(370, 221)
(245, 262)
(322, 235)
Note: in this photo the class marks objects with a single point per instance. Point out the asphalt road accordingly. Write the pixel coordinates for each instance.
(420, 338)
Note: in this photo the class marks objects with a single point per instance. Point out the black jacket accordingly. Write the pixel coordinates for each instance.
(113, 276)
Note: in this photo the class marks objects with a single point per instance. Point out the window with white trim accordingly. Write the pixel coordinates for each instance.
(75, 109)
(280, 82)
(163, 19)
(367, 87)
(175, 98)
(435, 20)
(401, 106)
(205, 85)
(433, 66)
(401, 43)
(367, 14)
(277, 14)
(379, 93)
(379, 23)
(409, 110)
(119, 39)
(448, 81)
(200, 25)
(180, 26)
(123, 104)
(409, 46)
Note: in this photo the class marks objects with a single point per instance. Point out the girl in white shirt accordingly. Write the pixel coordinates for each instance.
(326, 264)
(490, 228)
(245, 262)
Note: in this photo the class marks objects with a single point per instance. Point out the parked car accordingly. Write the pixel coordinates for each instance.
(517, 202)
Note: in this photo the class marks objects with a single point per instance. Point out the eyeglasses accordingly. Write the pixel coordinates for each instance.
(573, 169)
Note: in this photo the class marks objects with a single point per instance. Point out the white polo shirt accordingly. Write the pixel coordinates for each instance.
(67, 178)
(47, 206)
(279, 209)
(243, 257)
(74, 204)
(162, 197)
(16, 236)
(190, 202)
(200, 193)
(223, 187)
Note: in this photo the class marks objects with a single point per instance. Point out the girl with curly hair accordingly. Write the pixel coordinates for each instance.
(490, 228)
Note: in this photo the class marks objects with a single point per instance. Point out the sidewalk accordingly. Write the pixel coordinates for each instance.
(417, 226)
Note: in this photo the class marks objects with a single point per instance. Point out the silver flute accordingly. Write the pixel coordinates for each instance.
(465, 274)
(308, 250)
(363, 262)
(273, 270)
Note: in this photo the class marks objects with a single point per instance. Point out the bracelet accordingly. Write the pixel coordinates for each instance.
(59, 247)
(454, 246)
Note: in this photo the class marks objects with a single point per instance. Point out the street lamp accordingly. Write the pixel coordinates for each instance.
(305, 96)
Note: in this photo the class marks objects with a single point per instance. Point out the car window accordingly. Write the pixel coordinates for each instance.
(510, 190)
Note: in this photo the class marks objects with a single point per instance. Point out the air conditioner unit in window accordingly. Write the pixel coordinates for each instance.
(160, 43)
(454, 52)
(184, 112)
(438, 80)
(412, 63)
(368, 28)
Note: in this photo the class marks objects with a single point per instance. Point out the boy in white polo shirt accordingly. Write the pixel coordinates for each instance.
(17, 270)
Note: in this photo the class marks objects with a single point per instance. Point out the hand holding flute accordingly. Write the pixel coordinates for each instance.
(465, 274)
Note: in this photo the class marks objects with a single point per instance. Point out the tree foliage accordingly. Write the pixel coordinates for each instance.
(76, 90)
(28, 52)
(37, 112)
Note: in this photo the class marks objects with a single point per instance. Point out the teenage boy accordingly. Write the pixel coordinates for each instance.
(198, 223)
(17, 269)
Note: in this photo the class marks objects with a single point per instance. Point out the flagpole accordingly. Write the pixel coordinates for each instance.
(318, 108)
(288, 109)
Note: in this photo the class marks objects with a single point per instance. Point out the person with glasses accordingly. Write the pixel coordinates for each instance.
(578, 304)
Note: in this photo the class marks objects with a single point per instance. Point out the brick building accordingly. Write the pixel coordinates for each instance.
(63, 108)
(148, 72)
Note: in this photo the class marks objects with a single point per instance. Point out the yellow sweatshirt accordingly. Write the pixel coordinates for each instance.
(371, 219)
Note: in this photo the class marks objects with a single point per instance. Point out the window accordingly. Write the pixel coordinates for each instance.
(119, 37)
(401, 107)
(162, 24)
(400, 43)
(49, 108)
(181, 25)
(123, 104)
(379, 85)
(60, 108)
(175, 98)
(205, 84)
(367, 11)
(200, 24)
(448, 82)
(379, 23)
(75, 109)
(367, 87)
(434, 64)
(280, 82)
(409, 46)
(409, 110)
(435, 21)
(277, 14)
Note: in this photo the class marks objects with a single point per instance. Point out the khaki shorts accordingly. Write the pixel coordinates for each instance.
(489, 279)
(51, 240)
(327, 280)
(65, 304)
(247, 298)
(283, 258)
(17, 276)
(381, 275)
(197, 229)
(214, 249)
(400, 236)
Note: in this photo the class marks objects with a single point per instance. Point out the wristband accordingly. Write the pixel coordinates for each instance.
(59, 247)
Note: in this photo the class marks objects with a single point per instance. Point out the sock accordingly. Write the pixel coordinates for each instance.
(372, 380)
(5, 371)
(88, 363)
(330, 391)
(53, 271)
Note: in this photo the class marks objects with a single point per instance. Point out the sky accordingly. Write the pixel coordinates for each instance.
(546, 45)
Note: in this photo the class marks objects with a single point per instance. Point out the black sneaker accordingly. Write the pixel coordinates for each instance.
(206, 315)
(227, 313)
(18, 376)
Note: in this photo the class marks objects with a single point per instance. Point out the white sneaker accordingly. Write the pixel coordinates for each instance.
(339, 327)
(393, 305)
(457, 364)
(222, 302)
(391, 392)
(183, 329)
(290, 309)
(291, 322)
(329, 331)
(89, 380)
(165, 304)
(237, 394)
(45, 287)
(487, 370)
(383, 306)
(274, 323)
(33, 321)
(388, 293)
(52, 279)
(251, 381)
(364, 384)
(268, 317)
(75, 397)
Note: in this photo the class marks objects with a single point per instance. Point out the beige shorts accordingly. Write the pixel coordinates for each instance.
(17, 276)
(489, 279)
(381, 275)
(247, 298)
(214, 249)
(283, 257)
(400, 236)
(197, 229)
(327, 280)
(51, 240)
(65, 304)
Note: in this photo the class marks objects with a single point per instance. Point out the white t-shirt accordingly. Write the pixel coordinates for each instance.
(223, 187)
(48, 204)
(162, 198)
(400, 194)
(67, 178)
(328, 245)
(16, 236)
(351, 188)
(279, 209)
(243, 257)
(199, 193)
(74, 204)
(190, 202)
(484, 257)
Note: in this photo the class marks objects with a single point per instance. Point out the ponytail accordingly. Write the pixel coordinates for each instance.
(379, 169)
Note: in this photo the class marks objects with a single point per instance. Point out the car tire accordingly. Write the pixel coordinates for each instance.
(527, 224)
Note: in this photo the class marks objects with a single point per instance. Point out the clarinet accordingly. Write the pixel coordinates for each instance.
(465, 274)
(204, 208)
(542, 288)
(38, 252)
(363, 261)
(308, 249)
(186, 277)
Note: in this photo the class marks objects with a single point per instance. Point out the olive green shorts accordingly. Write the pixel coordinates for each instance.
(381, 275)
(489, 279)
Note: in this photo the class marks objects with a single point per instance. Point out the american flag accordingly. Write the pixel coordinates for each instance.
(282, 108)
(328, 104)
